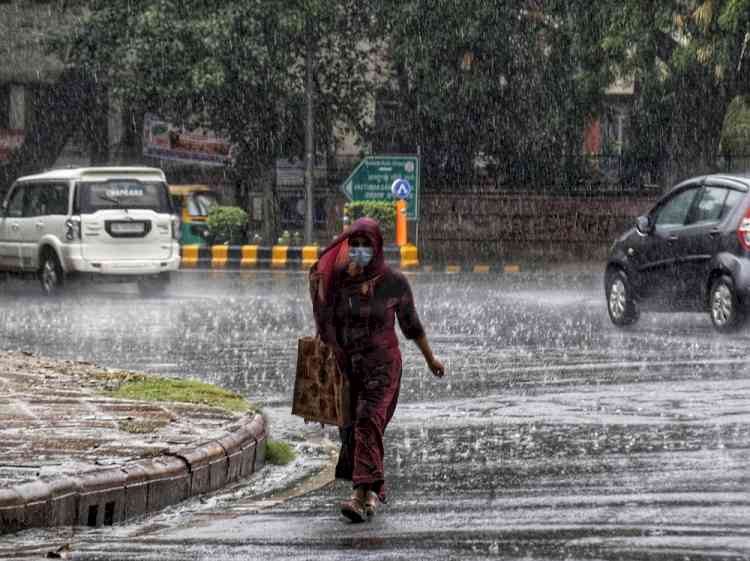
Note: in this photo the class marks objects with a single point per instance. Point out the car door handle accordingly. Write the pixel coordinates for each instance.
(714, 233)
(15, 227)
(672, 239)
(39, 225)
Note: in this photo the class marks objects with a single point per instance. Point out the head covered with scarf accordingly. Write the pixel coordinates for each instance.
(330, 274)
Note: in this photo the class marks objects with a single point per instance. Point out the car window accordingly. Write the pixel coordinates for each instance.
(15, 204)
(674, 211)
(47, 199)
(732, 200)
(709, 205)
(127, 193)
(199, 204)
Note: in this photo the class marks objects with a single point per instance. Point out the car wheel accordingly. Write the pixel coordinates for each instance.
(620, 300)
(154, 286)
(724, 306)
(50, 273)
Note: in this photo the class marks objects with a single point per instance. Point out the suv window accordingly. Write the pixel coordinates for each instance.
(46, 199)
(122, 193)
(15, 204)
(674, 211)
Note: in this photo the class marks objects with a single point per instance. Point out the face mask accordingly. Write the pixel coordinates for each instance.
(360, 255)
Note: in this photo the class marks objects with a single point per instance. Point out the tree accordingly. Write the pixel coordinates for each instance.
(499, 81)
(237, 67)
(689, 60)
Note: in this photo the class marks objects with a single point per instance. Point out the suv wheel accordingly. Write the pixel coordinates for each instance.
(620, 302)
(724, 306)
(50, 273)
(154, 286)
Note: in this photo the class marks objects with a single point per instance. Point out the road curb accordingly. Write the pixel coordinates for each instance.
(110, 495)
(277, 257)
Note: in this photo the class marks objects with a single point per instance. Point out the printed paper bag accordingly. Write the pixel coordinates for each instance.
(321, 392)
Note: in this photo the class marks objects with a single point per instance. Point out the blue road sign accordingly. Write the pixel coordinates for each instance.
(401, 188)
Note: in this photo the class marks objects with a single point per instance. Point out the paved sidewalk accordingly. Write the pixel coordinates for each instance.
(65, 447)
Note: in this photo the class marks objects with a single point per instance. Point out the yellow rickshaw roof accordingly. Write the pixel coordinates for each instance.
(185, 189)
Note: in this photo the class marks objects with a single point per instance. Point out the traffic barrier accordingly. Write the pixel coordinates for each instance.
(35, 495)
(217, 466)
(111, 495)
(63, 500)
(409, 256)
(168, 481)
(136, 490)
(101, 497)
(11, 511)
(197, 460)
(480, 268)
(277, 257)
(258, 428)
(232, 444)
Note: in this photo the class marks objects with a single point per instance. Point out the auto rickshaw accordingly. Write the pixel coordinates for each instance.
(193, 203)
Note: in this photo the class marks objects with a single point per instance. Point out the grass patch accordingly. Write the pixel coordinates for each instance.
(152, 388)
(279, 453)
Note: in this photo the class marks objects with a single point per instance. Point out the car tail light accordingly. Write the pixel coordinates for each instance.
(73, 225)
(743, 232)
(175, 227)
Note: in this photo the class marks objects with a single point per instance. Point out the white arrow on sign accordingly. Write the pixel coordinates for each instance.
(348, 190)
(401, 189)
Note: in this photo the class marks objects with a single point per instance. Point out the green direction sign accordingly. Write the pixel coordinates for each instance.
(373, 178)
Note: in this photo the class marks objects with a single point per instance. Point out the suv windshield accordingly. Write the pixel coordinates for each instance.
(200, 203)
(122, 193)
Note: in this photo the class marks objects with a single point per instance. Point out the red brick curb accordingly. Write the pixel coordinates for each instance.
(111, 495)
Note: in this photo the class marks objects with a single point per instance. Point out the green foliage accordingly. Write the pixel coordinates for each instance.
(735, 137)
(279, 453)
(477, 82)
(237, 67)
(382, 211)
(152, 388)
(687, 61)
(227, 222)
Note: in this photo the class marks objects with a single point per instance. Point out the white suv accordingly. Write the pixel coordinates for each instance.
(115, 223)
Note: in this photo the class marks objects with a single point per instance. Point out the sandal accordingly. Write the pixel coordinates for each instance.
(354, 509)
(371, 503)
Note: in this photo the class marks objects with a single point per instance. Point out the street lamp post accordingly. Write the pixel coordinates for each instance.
(309, 140)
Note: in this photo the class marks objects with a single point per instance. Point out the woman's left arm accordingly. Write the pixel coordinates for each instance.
(434, 364)
(412, 329)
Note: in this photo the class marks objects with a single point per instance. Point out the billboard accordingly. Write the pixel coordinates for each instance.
(162, 139)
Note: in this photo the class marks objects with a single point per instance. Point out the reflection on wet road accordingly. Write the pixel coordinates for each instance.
(554, 435)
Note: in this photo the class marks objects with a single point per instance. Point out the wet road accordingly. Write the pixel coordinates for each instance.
(554, 435)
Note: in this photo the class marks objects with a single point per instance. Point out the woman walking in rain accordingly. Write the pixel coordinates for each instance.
(356, 300)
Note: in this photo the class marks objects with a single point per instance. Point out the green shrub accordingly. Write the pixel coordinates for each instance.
(279, 453)
(382, 211)
(227, 223)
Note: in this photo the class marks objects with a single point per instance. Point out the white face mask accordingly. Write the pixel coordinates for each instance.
(360, 255)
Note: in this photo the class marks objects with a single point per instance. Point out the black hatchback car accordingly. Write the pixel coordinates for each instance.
(691, 252)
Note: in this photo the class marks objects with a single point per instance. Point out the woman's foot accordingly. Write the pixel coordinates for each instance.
(354, 509)
(371, 503)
